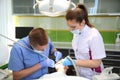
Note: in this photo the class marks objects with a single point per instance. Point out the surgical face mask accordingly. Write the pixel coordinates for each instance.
(38, 51)
(77, 31)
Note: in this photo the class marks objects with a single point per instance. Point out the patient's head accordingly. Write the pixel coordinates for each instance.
(69, 70)
(60, 68)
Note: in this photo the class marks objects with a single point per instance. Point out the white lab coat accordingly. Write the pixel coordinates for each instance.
(88, 39)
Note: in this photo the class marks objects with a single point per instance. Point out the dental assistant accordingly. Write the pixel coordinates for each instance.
(29, 64)
(87, 43)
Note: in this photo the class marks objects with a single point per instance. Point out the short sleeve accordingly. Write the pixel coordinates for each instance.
(16, 59)
(97, 47)
(49, 48)
(51, 45)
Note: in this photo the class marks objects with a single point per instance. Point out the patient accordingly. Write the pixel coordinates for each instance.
(60, 74)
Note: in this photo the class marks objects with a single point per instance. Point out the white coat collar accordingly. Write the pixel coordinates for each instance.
(85, 30)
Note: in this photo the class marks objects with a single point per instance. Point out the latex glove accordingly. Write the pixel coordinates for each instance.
(58, 55)
(47, 63)
(66, 62)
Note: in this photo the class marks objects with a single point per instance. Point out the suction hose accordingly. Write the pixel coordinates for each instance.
(74, 65)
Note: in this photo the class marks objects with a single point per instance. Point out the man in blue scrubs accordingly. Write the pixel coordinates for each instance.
(29, 56)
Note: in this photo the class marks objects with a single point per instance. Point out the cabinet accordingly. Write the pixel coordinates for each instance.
(23, 7)
(102, 6)
(65, 52)
(113, 59)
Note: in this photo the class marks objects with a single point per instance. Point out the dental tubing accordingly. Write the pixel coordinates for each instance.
(22, 45)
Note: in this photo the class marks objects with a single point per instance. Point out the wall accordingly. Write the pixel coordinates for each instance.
(104, 6)
(58, 30)
(5, 19)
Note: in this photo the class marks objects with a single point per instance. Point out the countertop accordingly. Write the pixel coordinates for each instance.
(67, 45)
(90, 15)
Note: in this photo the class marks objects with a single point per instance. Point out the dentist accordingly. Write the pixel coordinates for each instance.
(31, 61)
(87, 43)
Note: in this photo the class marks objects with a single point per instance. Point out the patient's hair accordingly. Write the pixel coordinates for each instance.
(71, 71)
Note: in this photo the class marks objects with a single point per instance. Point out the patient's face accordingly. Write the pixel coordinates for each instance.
(59, 67)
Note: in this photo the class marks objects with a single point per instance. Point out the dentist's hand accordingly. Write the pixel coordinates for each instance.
(47, 63)
(66, 62)
(58, 55)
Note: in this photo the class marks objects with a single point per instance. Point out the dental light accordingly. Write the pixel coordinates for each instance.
(54, 8)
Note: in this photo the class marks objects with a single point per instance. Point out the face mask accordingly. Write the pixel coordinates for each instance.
(77, 31)
(38, 51)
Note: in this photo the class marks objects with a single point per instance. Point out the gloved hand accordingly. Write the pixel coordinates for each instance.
(58, 55)
(66, 62)
(47, 63)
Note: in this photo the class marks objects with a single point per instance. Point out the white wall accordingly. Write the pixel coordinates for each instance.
(6, 22)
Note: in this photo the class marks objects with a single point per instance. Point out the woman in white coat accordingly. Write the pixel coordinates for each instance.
(87, 43)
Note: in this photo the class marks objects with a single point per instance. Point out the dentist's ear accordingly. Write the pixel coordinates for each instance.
(82, 23)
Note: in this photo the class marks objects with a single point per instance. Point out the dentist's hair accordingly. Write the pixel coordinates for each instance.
(38, 36)
(79, 14)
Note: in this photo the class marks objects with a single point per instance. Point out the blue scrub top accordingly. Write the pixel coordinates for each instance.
(21, 58)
